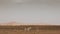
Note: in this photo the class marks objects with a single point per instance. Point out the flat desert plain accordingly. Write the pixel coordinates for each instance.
(30, 29)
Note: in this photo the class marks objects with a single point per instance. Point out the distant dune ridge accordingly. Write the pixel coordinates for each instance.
(20, 23)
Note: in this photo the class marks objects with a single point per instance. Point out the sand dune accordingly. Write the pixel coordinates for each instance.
(20, 23)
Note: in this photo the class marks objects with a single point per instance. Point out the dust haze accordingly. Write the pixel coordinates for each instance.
(30, 11)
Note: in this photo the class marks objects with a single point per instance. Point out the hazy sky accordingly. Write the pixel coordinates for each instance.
(30, 11)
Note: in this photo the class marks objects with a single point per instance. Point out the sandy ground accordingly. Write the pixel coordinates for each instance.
(16, 30)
